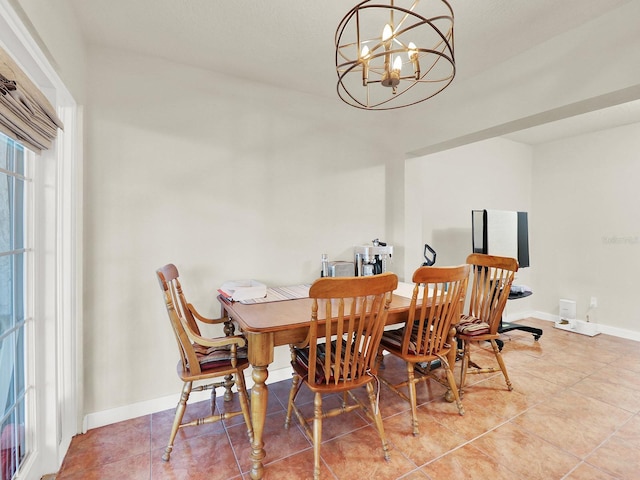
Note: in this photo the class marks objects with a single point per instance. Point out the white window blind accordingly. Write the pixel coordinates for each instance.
(25, 113)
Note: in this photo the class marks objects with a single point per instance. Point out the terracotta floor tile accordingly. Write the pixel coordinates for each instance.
(619, 374)
(512, 446)
(358, 455)
(433, 441)
(279, 443)
(574, 414)
(134, 467)
(295, 467)
(198, 458)
(586, 472)
(548, 369)
(619, 455)
(110, 443)
(573, 422)
(467, 463)
(476, 420)
(161, 423)
(338, 425)
(605, 389)
(415, 475)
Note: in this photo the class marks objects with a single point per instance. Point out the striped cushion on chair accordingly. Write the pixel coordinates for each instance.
(471, 326)
(301, 364)
(393, 339)
(215, 357)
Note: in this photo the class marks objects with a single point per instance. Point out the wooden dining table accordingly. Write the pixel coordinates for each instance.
(271, 324)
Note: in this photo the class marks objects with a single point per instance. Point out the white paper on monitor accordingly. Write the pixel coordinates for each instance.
(502, 233)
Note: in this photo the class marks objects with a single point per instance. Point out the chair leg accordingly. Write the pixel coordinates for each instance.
(464, 366)
(452, 384)
(228, 385)
(213, 400)
(177, 420)
(413, 398)
(379, 364)
(317, 434)
(377, 415)
(244, 404)
(503, 367)
(295, 387)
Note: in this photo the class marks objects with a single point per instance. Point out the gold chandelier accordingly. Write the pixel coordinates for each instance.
(394, 54)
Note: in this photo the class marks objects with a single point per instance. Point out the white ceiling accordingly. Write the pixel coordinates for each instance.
(262, 40)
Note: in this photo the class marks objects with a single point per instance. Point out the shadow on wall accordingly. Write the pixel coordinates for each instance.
(452, 246)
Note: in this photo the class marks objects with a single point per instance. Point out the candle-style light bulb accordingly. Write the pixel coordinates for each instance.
(364, 58)
(413, 56)
(412, 51)
(397, 64)
(387, 32)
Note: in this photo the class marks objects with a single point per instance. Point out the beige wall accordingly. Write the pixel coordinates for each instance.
(443, 188)
(586, 226)
(53, 25)
(228, 180)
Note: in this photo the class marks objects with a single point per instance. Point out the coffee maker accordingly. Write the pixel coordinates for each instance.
(372, 259)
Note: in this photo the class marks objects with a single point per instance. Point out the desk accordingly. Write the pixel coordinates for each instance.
(268, 325)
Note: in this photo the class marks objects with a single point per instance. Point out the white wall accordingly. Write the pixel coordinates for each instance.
(586, 227)
(228, 180)
(53, 26)
(443, 188)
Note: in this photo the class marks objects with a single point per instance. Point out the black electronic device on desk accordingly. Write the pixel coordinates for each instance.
(519, 291)
(429, 256)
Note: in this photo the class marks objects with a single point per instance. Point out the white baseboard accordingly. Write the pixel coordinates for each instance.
(127, 412)
(606, 329)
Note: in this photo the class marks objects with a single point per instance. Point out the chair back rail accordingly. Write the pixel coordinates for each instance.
(354, 310)
(432, 315)
(490, 287)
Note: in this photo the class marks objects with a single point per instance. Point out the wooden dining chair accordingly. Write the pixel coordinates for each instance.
(202, 359)
(427, 336)
(490, 287)
(348, 315)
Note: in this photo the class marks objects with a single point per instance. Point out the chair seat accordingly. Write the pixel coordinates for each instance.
(214, 361)
(472, 326)
(301, 362)
(392, 341)
(215, 357)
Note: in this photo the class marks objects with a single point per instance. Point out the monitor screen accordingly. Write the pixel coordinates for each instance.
(501, 232)
(479, 232)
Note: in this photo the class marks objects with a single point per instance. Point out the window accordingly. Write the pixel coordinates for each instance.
(14, 311)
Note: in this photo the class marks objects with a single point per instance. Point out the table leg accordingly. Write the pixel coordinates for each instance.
(259, 400)
(260, 356)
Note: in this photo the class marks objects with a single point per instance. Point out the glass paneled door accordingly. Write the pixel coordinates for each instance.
(14, 183)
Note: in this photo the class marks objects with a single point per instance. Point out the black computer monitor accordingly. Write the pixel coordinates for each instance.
(481, 243)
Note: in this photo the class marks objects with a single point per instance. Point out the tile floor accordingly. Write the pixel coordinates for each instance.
(573, 414)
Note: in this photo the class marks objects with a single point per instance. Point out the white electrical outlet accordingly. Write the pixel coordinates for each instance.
(593, 303)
